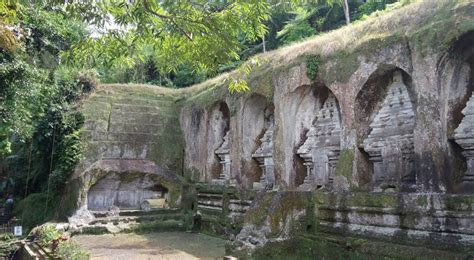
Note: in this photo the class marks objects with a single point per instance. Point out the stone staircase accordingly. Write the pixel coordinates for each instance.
(210, 201)
(135, 221)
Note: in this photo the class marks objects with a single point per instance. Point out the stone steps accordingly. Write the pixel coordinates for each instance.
(140, 92)
(210, 201)
(120, 137)
(136, 212)
(122, 127)
(136, 221)
(132, 100)
(138, 227)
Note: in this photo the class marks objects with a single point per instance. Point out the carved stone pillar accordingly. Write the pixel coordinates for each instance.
(464, 136)
(390, 142)
(321, 149)
(224, 158)
(264, 156)
(305, 152)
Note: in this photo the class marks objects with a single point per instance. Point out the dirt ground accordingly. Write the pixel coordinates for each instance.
(166, 245)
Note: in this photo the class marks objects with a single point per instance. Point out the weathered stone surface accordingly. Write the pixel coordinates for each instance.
(464, 136)
(406, 217)
(264, 154)
(224, 160)
(321, 149)
(390, 144)
(124, 192)
(121, 183)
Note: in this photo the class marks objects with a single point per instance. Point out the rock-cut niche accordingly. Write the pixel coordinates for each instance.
(219, 144)
(256, 142)
(322, 146)
(385, 111)
(456, 79)
(125, 191)
(264, 152)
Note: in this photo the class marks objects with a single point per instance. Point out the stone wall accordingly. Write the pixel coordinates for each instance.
(133, 150)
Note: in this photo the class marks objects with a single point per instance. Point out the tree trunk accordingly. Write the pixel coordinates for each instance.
(263, 42)
(346, 12)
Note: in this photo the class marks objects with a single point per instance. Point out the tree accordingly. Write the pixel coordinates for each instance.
(199, 33)
(346, 12)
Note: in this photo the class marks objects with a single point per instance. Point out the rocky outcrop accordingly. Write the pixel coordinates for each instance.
(132, 150)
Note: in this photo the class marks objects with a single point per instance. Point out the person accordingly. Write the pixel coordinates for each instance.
(9, 200)
(9, 206)
(197, 219)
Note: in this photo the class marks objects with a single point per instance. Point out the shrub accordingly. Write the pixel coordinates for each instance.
(312, 66)
(71, 250)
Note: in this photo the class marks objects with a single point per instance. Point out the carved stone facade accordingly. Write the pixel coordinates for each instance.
(464, 136)
(264, 154)
(321, 149)
(224, 158)
(390, 142)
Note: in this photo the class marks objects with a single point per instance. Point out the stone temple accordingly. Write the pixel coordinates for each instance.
(371, 158)
(390, 144)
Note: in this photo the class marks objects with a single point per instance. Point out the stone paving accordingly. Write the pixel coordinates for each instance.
(166, 245)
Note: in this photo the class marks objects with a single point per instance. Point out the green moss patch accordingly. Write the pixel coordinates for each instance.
(276, 208)
(459, 202)
(327, 246)
(345, 164)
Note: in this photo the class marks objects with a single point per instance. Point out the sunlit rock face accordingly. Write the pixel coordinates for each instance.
(224, 158)
(321, 149)
(264, 154)
(464, 136)
(116, 190)
(390, 142)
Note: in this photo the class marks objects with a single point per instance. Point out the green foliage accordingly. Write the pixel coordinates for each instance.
(61, 245)
(200, 33)
(22, 93)
(71, 251)
(8, 245)
(32, 210)
(25, 76)
(71, 153)
(8, 41)
(371, 6)
(48, 234)
(241, 85)
(50, 33)
(238, 85)
(39, 137)
(299, 28)
(312, 66)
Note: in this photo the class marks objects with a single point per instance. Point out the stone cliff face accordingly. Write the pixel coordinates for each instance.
(125, 137)
(381, 137)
